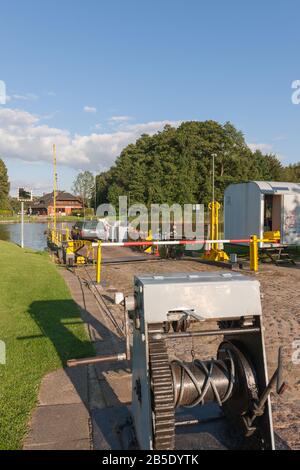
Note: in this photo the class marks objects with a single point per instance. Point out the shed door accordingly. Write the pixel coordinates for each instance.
(291, 219)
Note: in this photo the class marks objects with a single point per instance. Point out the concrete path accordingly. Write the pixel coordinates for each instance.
(109, 384)
(61, 420)
(81, 408)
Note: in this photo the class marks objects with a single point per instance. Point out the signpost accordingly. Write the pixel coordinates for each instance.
(24, 195)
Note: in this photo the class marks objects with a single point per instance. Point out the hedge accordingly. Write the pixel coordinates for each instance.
(6, 213)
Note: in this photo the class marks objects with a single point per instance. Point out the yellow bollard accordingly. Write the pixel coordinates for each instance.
(98, 265)
(149, 239)
(214, 223)
(70, 248)
(254, 253)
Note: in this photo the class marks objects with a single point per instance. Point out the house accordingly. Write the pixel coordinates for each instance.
(262, 208)
(65, 204)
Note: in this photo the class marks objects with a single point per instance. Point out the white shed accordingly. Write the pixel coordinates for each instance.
(257, 207)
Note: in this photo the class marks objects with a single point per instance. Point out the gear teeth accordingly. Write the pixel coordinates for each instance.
(163, 396)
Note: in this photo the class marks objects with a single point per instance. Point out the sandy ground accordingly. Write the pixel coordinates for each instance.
(281, 308)
(281, 315)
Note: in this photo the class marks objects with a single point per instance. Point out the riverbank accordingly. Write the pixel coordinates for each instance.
(41, 327)
(38, 219)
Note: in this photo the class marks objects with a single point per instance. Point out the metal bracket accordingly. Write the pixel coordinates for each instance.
(185, 312)
(276, 383)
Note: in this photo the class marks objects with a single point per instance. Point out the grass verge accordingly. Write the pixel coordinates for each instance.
(41, 327)
(34, 219)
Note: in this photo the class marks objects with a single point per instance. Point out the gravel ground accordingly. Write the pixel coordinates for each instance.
(281, 316)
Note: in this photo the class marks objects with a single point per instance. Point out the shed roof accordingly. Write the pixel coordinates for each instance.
(275, 187)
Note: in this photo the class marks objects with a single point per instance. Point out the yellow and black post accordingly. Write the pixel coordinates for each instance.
(214, 223)
(254, 253)
(98, 265)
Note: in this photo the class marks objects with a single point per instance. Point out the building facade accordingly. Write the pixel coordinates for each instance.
(66, 204)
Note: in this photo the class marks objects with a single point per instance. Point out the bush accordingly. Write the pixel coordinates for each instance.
(88, 212)
(6, 213)
(77, 212)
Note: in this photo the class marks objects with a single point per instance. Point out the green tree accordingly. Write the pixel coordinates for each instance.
(4, 186)
(102, 187)
(267, 167)
(83, 186)
(175, 165)
(292, 173)
(15, 204)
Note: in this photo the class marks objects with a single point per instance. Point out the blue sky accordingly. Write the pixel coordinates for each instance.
(92, 76)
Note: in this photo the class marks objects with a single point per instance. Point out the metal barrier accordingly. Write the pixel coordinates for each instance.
(57, 237)
(253, 243)
(171, 242)
(73, 246)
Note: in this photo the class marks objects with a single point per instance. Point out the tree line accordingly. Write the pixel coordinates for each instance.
(175, 166)
(4, 187)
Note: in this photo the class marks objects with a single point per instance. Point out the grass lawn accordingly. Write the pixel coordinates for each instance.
(41, 327)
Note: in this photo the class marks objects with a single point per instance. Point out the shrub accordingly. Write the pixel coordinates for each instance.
(6, 213)
(88, 212)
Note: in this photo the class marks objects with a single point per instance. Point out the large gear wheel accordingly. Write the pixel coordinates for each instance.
(163, 409)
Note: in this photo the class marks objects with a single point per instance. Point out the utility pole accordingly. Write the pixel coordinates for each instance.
(54, 187)
(22, 224)
(95, 193)
(213, 177)
(24, 195)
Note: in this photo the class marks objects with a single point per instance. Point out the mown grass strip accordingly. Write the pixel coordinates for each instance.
(41, 327)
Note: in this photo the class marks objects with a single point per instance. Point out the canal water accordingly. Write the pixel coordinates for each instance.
(34, 234)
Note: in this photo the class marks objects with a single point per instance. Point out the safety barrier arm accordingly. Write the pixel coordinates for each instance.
(99, 245)
(170, 242)
(253, 244)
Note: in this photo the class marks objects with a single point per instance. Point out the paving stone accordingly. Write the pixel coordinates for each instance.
(107, 424)
(120, 384)
(51, 425)
(64, 386)
(82, 444)
(97, 398)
